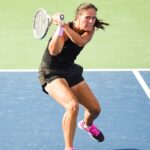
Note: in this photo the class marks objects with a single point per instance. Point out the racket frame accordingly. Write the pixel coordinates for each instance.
(48, 22)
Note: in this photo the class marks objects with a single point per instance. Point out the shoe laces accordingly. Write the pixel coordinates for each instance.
(93, 130)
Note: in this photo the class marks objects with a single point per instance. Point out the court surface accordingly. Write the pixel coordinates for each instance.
(31, 120)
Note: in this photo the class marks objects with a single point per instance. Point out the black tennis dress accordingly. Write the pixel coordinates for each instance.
(61, 65)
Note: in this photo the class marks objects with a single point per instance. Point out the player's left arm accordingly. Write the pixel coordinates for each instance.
(80, 40)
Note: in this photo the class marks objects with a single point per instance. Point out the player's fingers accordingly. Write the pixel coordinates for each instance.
(57, 18)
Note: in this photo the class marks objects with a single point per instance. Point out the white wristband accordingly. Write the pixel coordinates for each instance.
(59, 31)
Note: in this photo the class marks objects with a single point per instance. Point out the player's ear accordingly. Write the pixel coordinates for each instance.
(77, 17)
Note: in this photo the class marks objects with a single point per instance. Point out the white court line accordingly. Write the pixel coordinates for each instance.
(135, 72)
(142, 82)
(96, 69)
(119, 69)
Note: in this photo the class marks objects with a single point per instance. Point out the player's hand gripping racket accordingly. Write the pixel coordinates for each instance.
(42, 22)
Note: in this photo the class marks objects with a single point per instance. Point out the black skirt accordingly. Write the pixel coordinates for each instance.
(72, 74)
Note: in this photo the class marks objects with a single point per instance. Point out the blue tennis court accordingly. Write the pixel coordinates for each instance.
(31, 120)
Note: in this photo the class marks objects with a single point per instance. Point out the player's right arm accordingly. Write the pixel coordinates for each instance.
(56, 44)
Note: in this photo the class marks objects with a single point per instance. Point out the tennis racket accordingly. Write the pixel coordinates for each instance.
(41, 23)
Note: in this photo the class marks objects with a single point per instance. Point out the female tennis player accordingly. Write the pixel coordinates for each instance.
(62, 79)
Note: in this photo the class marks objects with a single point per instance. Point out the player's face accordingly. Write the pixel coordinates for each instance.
(87, 19)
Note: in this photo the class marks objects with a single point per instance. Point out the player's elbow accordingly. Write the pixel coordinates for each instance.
(81, 42)
(53, 51)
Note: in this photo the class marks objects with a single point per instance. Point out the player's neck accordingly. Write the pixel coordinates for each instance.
(76, 27)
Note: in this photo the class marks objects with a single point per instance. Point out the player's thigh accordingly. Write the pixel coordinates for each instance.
(86, 97)
(59, 90)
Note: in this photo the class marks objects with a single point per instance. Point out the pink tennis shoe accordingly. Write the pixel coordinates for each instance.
(71, 148)
(93, 131)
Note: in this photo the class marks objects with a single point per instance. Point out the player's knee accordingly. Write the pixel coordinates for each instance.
(96, 110)
(73, 106)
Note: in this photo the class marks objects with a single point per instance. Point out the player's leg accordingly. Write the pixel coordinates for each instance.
(61, 92)
(91, 105)
(88, 100)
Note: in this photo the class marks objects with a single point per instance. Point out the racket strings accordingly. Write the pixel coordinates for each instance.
(40, 23)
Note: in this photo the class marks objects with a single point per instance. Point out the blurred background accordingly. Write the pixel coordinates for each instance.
(124, 44)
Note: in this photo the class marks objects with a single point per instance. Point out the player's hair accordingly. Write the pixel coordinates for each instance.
(84, 6)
